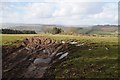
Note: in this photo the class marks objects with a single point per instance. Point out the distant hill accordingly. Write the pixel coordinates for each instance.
(35, 27)
(102, 29)
(83, 29)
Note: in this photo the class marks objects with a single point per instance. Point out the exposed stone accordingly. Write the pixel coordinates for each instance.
(41, 60)
(73, 42)
(89, 49)
(64, 55)
(59, 53)
(80, 44)
(106, 48)
(63, 42)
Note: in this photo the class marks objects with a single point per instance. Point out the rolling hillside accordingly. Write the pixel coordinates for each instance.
(83, 29)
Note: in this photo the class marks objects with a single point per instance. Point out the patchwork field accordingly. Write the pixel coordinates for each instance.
(89, 57)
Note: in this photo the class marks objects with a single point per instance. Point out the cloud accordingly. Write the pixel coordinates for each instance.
(82, 8)
(109, 14)
(59, 0)
(81, 13)
(39, 10)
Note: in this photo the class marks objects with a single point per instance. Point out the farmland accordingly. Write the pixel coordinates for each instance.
(96, 58)
(8, 38)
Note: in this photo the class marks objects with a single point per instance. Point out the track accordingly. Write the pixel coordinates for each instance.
(33, 57)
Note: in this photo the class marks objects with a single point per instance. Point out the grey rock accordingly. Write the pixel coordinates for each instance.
(64, 55)
(59, 53)
(41, 60)
(73, 42)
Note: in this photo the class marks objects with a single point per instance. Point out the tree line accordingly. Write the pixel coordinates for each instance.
(11, 31)
(50, 30)
(56, 30)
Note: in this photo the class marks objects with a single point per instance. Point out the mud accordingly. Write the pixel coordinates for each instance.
(32, 58)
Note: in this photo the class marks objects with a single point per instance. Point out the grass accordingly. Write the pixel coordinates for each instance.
(81, 62)
(84, 63)
(8, 38)
(102, 32)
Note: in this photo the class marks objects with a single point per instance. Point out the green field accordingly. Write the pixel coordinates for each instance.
(92, 60)
(9, 38)
(95, 63)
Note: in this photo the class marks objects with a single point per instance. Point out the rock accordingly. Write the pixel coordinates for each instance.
(64, 55)
(63, 42)
(80, 44)
(106, 48)
(59, 53)
(30, 59)
(58, 49)
(73, 42)
(89, 49)
(44, 51)
(41, 60)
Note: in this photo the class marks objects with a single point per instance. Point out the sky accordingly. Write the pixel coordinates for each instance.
(61, 12)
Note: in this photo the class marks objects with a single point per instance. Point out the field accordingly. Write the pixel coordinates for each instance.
(97, 58)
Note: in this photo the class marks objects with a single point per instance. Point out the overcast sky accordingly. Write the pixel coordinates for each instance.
(64, 12)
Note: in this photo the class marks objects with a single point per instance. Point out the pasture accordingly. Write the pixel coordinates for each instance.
(97, 58)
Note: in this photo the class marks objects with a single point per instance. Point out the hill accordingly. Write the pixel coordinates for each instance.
(83, 29)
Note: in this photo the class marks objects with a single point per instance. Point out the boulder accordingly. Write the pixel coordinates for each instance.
(41, 60)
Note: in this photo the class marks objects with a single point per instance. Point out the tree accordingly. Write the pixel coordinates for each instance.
(11, 31)
(52, 30)
(56, 30)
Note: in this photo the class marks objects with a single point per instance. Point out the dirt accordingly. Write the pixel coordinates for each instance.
(32, 58)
